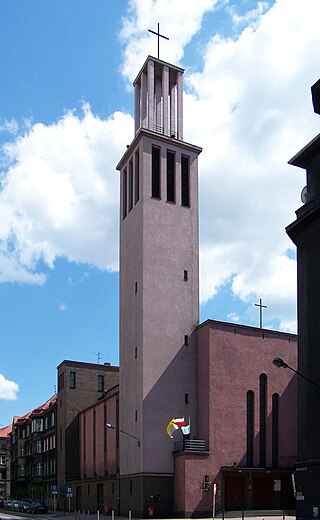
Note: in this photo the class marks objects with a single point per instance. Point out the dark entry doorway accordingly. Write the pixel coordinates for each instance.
(234, 493)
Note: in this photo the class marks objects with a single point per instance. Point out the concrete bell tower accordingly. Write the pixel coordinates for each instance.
(159, 287)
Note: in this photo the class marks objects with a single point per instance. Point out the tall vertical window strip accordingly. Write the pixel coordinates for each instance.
(130, 185)
(100, 383)
(171, 176)
(72, 383)
(155, 183)
(124, 193)
(136, 176)
(250, 427)
(185, 180)
(84, 437)
(275, 430)
(263, 420)
(94, 435)
(105, 429)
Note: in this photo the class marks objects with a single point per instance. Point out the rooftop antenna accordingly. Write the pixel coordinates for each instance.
(99, 355)
(159, 36)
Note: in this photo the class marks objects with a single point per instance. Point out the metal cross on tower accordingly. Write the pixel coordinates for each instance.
(159, 36)
(261, 306)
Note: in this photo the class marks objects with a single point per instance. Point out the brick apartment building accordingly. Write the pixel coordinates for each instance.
(80, 385)
(33, 445)
(5, 462)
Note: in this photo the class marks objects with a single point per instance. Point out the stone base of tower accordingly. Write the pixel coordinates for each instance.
(147, 496)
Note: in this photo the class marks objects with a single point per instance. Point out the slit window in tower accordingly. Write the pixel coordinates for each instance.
(155, 188)
(130, 185)
(136, 176)
(171, 174)
(185, 181)
(124, 193)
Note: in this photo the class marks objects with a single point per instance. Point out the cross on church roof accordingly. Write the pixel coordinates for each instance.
(159, 36)
(261, 306)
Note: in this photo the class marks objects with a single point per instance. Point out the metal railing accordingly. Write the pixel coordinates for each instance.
(191, 445)
(160, 130)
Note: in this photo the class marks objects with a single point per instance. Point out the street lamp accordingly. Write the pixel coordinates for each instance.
(110, 427)
(278, 362)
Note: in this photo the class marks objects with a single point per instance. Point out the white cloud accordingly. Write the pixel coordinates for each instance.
(178, 20)
(233, 316)
(250, 110)
(9, 126)
(250, 17)
(60, 196)
(256, 90)
(8, 389)
(249, 107)
(62, 306)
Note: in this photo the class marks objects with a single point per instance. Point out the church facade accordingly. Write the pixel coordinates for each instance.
(217, 377)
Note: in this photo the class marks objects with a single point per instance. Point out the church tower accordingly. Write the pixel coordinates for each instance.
(159, 286)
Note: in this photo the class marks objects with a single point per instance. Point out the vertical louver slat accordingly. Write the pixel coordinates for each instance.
(124, 194)
(136, 178)
(171, 176)
(130, 185)
(185, 181)
(155, 172)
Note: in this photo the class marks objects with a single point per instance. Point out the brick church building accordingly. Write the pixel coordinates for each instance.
(219, 376)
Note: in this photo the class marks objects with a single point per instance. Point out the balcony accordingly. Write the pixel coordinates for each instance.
(192, 446)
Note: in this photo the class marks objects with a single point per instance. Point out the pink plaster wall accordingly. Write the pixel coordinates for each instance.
(158, 241)
(96, 464)
(230, 361)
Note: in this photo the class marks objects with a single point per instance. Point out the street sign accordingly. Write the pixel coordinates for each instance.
(54, 489)
(69, 492)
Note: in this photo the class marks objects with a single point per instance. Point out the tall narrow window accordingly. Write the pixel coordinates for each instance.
(171, 176)
(124, 193)
(84, 438)
(250, 427)
(130, 185)
(105, 429)
(100, 383)
(263, 420)
(185, 181)
(94, 436)
(155, 188)
(275, 430)
(72, 383)
(136, 176)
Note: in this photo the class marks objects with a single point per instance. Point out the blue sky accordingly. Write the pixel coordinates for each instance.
(65, 118)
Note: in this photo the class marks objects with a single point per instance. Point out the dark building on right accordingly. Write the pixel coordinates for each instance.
(305, 233)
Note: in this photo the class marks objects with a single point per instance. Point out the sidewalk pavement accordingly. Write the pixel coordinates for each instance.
(229, 515)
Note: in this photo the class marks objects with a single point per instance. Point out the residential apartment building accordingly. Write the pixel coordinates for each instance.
(34, 452)
(5, 462)
(80, 385)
